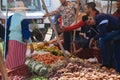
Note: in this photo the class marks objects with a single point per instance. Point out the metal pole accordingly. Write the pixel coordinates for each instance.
(74, 31)
(3, 67)
(5, 29)
(108, 5)
(56, 34)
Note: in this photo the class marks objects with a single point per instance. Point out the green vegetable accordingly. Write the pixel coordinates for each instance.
(43, 71)
(38, 78)
(36, 67)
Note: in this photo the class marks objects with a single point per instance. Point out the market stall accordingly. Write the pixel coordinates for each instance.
(50, 61)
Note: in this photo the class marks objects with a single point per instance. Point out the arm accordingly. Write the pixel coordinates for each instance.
(116, 14)
(102, 28)
(79, 24)
(26, 33)
(52, 13)
(31, 45)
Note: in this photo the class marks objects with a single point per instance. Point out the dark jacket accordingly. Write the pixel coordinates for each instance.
(106, 23)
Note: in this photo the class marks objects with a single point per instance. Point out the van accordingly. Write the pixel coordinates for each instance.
(33, 10)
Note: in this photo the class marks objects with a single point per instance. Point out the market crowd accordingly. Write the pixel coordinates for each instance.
(100, 30)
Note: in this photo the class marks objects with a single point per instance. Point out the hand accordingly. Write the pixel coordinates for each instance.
(31, 48)
(78, 51)
(92, 42)
(60, 30)
(44, 16)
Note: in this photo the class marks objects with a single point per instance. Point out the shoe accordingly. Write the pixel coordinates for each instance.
(112, 70)
(104, 67)
(92, 60)
(118, 73)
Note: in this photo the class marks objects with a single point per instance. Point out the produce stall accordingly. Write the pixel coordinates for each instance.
(48, 62)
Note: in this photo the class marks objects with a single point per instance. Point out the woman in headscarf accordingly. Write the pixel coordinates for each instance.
(18, 35)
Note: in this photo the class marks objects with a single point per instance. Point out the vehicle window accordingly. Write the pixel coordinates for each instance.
(31, 5)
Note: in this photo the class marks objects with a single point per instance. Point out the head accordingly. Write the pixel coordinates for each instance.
(118, 4)
(88, 20)
(89, 7)
(63, 2)
(19, 8)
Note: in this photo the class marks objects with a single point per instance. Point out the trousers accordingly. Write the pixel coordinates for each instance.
(110, 51)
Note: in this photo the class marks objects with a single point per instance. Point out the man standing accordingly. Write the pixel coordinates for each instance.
(67, 10)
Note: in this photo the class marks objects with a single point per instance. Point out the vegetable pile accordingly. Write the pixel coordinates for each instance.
(41, 64)
(84, 71)
(47, 58)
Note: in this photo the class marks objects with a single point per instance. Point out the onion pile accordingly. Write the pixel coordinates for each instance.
(84, 71)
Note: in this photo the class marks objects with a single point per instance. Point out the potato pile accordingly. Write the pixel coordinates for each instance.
(84, 71)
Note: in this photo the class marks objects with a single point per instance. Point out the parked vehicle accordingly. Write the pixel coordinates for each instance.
(33, 11)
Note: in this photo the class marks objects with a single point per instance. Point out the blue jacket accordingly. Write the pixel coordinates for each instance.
(105, 23)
